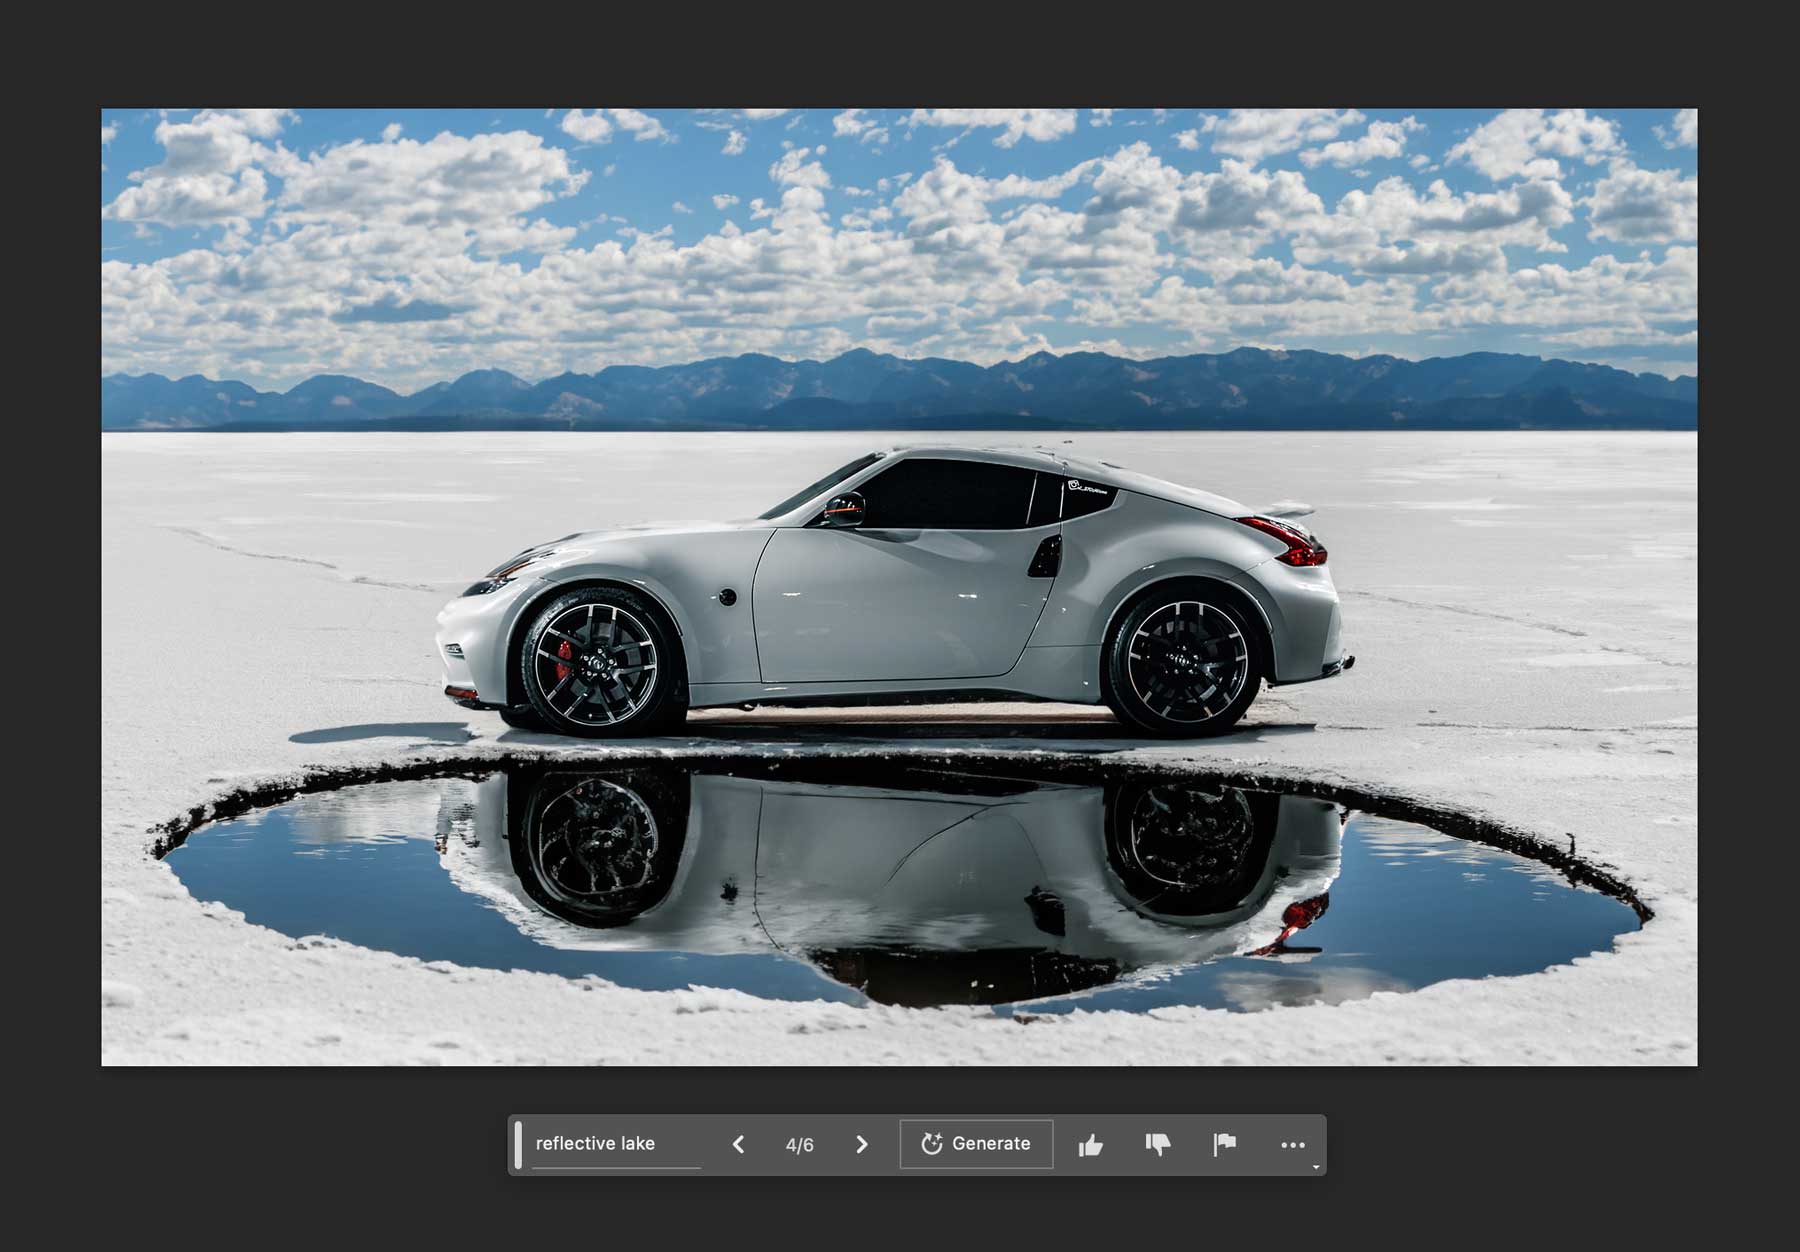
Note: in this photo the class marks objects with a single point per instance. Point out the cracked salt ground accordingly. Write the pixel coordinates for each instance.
(847, 880)
(351, 673)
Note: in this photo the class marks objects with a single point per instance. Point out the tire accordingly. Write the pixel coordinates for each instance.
(1197, 665)
(603, 662)
(597, 849)
(524, 717)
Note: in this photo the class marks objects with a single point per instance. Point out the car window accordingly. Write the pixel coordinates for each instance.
(808, 492)
(1063, 497)
(1081, 497)
(930, 493)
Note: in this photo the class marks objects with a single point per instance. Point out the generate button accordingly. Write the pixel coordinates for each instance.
(983, 1144)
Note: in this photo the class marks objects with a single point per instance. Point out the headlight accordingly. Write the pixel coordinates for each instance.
(503, 574)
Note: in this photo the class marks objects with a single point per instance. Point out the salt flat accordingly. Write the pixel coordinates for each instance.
(1522, 605)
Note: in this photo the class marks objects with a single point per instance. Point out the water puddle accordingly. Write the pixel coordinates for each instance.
(860, 881)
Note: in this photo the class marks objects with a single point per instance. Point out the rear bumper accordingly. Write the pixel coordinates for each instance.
(1332, 670)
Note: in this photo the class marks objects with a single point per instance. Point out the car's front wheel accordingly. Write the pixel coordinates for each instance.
(1183, 663)
(603, 661)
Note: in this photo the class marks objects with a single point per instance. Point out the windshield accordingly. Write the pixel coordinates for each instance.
(836, 476)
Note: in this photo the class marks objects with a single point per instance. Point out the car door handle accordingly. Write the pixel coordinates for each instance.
(1047, 559)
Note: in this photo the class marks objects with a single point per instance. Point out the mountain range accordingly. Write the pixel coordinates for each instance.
(1250, 388)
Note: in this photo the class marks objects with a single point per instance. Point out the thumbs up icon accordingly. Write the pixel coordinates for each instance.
(1090, 1146)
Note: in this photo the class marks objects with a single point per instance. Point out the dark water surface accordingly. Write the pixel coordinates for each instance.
(899, 885)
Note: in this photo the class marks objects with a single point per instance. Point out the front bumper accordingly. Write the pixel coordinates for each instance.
(468, 698)
(471, 643)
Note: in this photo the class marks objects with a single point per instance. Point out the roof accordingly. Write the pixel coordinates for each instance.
(1104, 472)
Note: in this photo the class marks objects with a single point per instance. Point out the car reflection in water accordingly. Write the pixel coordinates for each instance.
(928, 889)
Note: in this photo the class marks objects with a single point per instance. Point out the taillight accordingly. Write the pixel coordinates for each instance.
(1300, 915)
(1301, 550)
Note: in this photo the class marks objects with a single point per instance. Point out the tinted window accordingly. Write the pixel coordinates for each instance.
(1080, 497)
(808, 492)
(923, 493)
(1046, 499)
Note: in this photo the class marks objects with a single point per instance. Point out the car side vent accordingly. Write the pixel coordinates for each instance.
(1048, 558)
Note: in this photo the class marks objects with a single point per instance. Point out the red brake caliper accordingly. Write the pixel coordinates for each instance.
(567, 653)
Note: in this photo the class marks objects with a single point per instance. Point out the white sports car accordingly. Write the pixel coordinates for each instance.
(914, 574)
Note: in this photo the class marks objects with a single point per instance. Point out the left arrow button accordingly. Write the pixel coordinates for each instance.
(738, 1143)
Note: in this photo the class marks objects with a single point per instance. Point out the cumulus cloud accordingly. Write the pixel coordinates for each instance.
(1040, 125)
(1635, 205)
(1256, 134)
(735, 143)
(210, 174)
(587, 127)
(599, 125)
(852, 124)
(641, 126)
(407, 261)
(794, 169)
(1382, 141)
(1525, 143)
(1683, 132)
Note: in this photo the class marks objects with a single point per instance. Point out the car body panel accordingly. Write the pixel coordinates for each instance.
(896, 605)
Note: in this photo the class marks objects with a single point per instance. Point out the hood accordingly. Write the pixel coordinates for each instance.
(582, 542)
(642, 530)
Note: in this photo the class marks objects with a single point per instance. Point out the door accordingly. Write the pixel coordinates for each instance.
(936, 583)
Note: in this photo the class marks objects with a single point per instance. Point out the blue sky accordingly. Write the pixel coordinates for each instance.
(409, 246)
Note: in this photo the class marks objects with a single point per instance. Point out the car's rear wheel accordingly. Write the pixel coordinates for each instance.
(1183, 662)
(603, 661)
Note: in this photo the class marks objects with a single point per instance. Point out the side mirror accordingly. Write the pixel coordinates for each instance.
(844, 511)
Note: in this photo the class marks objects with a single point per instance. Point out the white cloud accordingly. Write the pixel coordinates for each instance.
(1525, 143)
(1100, 117)
(449, 192)
(391, 132)
(108, 133)
(1188, 140)
(642, 126)
(763, 115)
(211, 171)
(1682, 132)
(852, 124)
(794, 170)
(599, 125)
(975, 263)
(735, 143)
(587, 127)
(1635, 205)
(1255, 134)
(1041, 125)
(679, 207)
(1382, 141)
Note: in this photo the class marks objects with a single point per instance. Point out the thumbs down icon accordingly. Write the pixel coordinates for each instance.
(1157, 1142)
